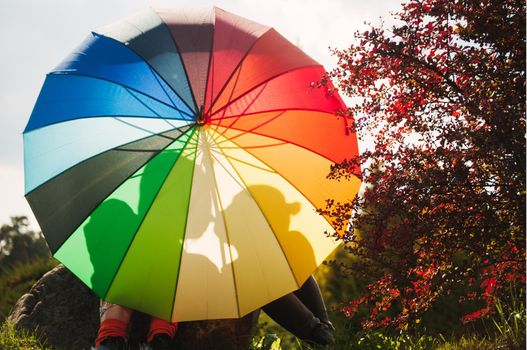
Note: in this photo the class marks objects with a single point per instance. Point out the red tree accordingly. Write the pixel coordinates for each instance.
(443, 93)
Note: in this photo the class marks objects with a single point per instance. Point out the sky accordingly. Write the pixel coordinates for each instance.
(35, 35)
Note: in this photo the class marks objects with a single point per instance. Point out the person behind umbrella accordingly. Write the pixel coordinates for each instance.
(303, 312)
(115, 319)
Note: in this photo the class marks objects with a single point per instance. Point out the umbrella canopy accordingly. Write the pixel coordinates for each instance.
(175, 161)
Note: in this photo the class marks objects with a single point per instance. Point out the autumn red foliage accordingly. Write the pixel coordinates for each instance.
(443, 94)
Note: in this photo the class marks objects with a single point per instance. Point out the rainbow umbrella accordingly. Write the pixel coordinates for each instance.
(175, 161)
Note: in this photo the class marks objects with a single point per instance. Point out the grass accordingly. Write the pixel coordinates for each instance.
(506, 334)
(509, 320)
(11, 339)
(504, 330)
(376, 341)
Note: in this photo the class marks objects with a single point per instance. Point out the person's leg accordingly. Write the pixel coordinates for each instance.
(303, 313)
(159, 326)
(115, 312)
(311, 297)
(289, 312)
(114, 322)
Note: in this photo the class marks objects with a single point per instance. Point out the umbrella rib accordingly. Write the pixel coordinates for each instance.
(126, 87)
(118, 148)
(144, 104)
(184, 231)
(166, 93)
(232, 90)
(143, 129)
(284, 177)
(225, 226)
(261, 211)
(242, 185)
(103, 199)
(285, 109)
(269, 120)
(196, 108)
(144, 216)
(209, 65)
(104, 116)
(247, 163)
(235, 69)
(229, 103)
(169, 122)
(235, 179)
(146, 61)
(282, 140)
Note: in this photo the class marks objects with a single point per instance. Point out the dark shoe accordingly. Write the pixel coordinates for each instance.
(113, 343)
(161, 342)
(323, 334)
(330, 325)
